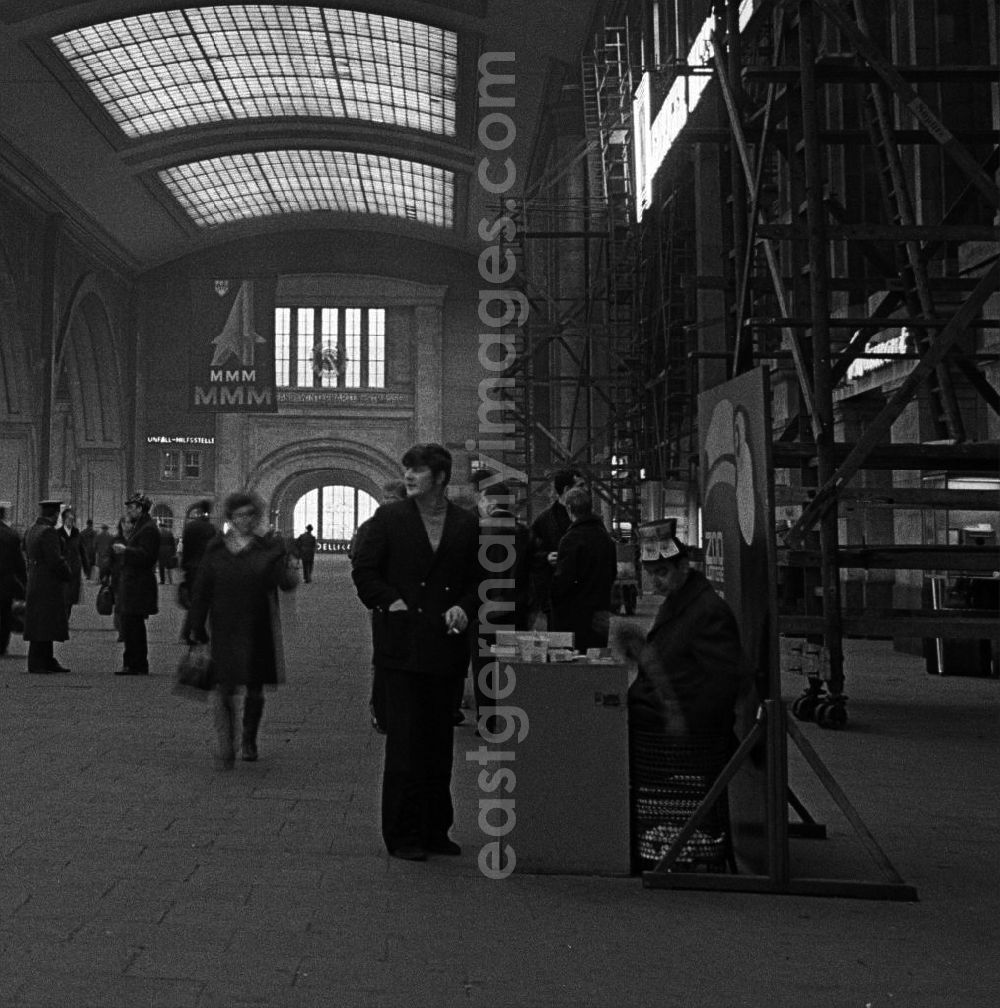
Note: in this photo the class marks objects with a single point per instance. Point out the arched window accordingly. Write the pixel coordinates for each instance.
(335, 512)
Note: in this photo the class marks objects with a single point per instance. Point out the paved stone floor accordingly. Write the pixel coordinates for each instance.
(136, 875)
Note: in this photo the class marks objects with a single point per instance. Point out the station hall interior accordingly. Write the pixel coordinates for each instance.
(272, 246)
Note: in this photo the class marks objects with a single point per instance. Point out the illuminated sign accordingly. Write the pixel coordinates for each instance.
(893, 347)
(653, 142)
(165, 439)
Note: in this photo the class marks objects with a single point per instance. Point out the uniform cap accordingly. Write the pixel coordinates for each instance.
(4, 505)
(141, 499)
(50, 503)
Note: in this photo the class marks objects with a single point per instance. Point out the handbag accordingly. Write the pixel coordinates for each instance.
(195, 675)
(105, 601)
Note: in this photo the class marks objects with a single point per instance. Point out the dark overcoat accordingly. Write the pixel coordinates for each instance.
(234, 606)
(584, 576)
(692, 662)
(137, 591)
(45, 617)
(394, 560)
(547, 531)
(13, 572)
(75, 555)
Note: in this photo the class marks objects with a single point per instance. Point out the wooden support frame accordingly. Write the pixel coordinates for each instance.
(774, 727)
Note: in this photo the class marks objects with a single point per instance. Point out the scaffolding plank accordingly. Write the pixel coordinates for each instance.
(980, 458)
(899, 497)
(885, 232)
(971, 559)
(951, 625)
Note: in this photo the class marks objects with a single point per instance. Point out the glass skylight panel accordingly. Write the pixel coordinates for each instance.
(237, 187)
(169, 70)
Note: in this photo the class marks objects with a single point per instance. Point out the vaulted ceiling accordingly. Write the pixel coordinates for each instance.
(165, 128)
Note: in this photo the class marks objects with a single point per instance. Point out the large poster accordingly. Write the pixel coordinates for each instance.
(734, 421)
(232, 346)
(734, 424)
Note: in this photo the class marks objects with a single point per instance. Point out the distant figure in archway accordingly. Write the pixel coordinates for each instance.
(306, 548)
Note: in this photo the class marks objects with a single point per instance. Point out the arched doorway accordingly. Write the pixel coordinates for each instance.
(335, 511)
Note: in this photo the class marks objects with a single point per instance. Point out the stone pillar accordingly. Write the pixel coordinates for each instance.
(427, 397)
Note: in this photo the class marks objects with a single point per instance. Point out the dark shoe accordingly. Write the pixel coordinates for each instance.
(443, 846)
(409, 852)
(248, 751)
(125, 670)
(40, 671)
(56, 667)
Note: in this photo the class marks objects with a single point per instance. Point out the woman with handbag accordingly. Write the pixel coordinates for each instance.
(234, 607)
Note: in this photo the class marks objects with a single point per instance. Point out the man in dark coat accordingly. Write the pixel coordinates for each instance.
(13, 575)
(198, 533)
(506, 592)
(45, 617)
(586, 567)
(691, 667)
(306, 549)
(417, 567)
(392, 490)
(137, 591)
(547, 531)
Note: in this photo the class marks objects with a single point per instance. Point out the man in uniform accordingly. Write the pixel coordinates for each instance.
(45, 614)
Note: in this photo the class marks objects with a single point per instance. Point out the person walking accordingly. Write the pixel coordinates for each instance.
(306, 549)
(166, 561)
(585, 572)
(136, 600)
(87, 539)
(45, 619)
(76, 557)
(198, 533)
(13, 576)
(417, 568)
(547, 531)
(234, 608)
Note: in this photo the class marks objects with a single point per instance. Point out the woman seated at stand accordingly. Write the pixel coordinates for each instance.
(691, 666)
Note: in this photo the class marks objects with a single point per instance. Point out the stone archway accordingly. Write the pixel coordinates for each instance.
(87, 459)
(283, 476)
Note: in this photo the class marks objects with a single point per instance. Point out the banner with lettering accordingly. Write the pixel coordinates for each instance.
(232, 346)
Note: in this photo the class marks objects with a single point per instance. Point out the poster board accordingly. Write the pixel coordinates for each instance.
(734, 423)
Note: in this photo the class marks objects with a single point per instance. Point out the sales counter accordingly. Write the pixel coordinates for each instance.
(572, 767)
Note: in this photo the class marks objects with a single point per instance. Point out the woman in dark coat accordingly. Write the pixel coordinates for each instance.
(235, 606)
(75, 555)
(137, 592)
